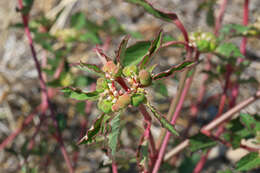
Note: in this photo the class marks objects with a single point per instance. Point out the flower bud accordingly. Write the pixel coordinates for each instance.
(101, 85)
(105, 106)
(130, 70)
(205, 41)
(122, 102)
(137, 99)
(111, 68)
(145, 77)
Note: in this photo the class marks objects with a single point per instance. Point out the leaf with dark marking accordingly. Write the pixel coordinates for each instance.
(91, 68)
(169, 72)
(93, 131)
(164, 122)
(122, 49)
(155, 46)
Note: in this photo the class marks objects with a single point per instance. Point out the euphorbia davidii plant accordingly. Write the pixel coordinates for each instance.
(119, 87)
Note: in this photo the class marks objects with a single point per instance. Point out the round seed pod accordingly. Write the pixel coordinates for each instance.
(105, 106)
(137, 99)
(101, 85)
(145, 77)
(130, 70)
(122, 102)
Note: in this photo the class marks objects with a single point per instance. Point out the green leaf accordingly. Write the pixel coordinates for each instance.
(91, 68)
(234, 30)
(228, 50)
(164, 122)
(135, 53)
(160, 88)
(93, 37)
(114, 134)
(201, 142)
(79, 94)
(155, 12)
(93, 131)
(248, 162)
(155, 46)
(144, 155)
(173, 69)
(122, 49)
(62, 123)
(250, 123)
(236, 132)
(225, 171)
(189, 163)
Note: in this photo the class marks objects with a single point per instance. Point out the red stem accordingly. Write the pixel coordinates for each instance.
(46, 100)
(114, 167)
(220, 17)
(245, 22)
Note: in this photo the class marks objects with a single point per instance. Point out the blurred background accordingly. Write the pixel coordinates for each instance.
(65, 32)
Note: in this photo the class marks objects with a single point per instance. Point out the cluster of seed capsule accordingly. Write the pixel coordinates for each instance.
(204, 41)
(113, 99)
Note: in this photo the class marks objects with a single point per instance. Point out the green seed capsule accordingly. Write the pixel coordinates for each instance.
(130, 70)
(137, 99)
(105, 106)
(145, 78)
(101, 85)
(122, 102)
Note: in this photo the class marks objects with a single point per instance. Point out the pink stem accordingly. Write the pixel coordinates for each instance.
(220, 16)
(114, 167)
(46, 100)
(245, 23)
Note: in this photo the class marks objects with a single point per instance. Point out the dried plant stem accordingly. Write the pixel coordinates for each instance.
(215, 123)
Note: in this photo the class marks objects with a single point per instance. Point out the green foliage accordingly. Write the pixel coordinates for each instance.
(155, 12)
(91, 68)
(201, 142)
(155, 46)
(228, 50)
(173, 69)
(93, 131)
(164, 122)
(122, 49)
(160, 88)
(189, 163)
(236, 30)
(79, 94)
(241, 128)
(105, 106)
(144, 155)
(137, 99)
(248, 162)
(114, 133)
(62, 122)
(135, 53)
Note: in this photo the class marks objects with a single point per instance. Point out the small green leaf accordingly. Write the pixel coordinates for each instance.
(225, 171)
(93, 131)
(62, 123)
(234, 30)
(228, 50)
(135, 53)
(79, 94)
(201, 142)
(164, 122)
(210, 19)
(91, 68)
(122, 49)
(248, 162)
(160, 88)
(144, 155)
(250, 123)
(173, 69)
(155, 12)
(90, 36)
(155, 46)
(114, 134)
